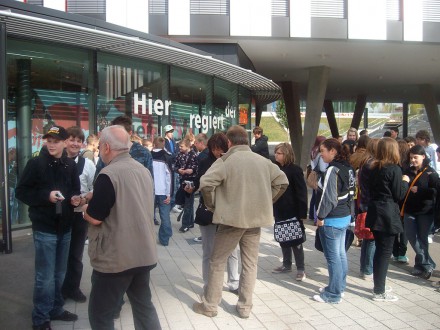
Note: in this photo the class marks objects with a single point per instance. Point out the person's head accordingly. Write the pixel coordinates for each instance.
(184, 145)
(284, 154)
(411, 141)
(352, 134)
(363, 132)
(237, 135)
(114, 140)
(75, 140)
(135, 138)
(55, 140)
(332, 150)
(387, 153)
(372, 147)
(339, 138)
(218, 144)
(423, 138)
(125, 122)
(159, 142)
(403, 151)
(349, 146)
(362, 142)
(201, 141)
(190, 137)
(257, 131)
(92, 142)
(418, 158)
(148, 144)
(394, 132)
(169, 131)
(387, 134)
(315, 149)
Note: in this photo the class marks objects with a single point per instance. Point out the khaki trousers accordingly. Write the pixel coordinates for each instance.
(226, 239)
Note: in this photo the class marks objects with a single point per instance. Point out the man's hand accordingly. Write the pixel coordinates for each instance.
(55, 196)
(167, 200)
(75, 200)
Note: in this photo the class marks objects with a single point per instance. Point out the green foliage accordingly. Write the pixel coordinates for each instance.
(281, 113)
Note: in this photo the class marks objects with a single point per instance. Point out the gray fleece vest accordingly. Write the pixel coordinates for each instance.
(126, 238)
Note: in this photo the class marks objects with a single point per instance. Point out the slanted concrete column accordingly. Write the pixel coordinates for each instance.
(405, 111)
(431, 110)
(291, 102)
(318, 77)
(330, 113)
(361, 102)
(258, 110)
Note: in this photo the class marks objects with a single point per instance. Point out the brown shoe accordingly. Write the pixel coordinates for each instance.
(241, 313)
(199, 308)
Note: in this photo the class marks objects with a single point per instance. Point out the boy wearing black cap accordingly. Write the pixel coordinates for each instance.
(50, 186)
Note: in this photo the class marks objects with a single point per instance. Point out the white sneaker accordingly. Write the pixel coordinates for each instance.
(318, 298)
(384, 297)
(176, 209)
(321, 290)
(430, 239)
(86, 242)
(300, 276)
(198, 239)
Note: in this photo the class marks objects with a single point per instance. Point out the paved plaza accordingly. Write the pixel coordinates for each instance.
(280, 302)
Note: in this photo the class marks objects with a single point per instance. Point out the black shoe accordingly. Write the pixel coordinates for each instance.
(183, 229)
(156, 222)
(44, 326)
(426, 275)
(65, 316)
(77, 296)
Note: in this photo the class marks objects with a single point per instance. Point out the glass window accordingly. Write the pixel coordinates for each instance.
(46, 85)
(225, 103)
(191, 96)
(134, 88)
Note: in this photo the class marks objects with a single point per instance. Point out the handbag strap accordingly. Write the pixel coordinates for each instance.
(402, 210)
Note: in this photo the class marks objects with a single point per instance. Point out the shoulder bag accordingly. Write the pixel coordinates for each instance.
(289, 230)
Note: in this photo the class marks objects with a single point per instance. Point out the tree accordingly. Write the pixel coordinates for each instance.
(280, 110)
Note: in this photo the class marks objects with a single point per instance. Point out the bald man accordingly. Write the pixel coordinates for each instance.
(120, 214)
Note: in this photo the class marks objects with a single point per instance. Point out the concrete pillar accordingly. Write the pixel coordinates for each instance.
(405, 111)
(330, 113)
(431, 109)
(318, 77)
(361, 102)
(291, 102)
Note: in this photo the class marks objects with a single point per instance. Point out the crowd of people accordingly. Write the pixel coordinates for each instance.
(105, 190)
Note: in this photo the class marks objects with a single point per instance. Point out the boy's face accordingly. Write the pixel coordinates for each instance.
(73, 146)
(55, 147)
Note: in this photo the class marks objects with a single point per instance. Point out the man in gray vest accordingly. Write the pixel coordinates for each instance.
(121, 227)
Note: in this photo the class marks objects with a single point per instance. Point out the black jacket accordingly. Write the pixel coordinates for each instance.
(261, 147)
(387, 189)
(293, 203)
(423, 201)
(42, 175)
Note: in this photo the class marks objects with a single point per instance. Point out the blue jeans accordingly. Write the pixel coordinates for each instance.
(417, 229)
(165, 230)
(51, 253)
(333, 243)
(188, 212)
(367, 254)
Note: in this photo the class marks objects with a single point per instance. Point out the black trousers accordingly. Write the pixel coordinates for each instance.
(74, 262)
(107, 292)
(384, 247)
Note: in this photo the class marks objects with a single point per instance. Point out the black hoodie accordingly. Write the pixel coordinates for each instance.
(261, 147)
(42, 175)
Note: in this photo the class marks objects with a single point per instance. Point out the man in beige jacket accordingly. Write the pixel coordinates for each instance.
(239, 188)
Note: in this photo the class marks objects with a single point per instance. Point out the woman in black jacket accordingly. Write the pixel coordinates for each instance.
(292, 204)
(387, 188)
(419, 209)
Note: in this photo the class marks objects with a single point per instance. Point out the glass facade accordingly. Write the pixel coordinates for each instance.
(53, 84)
(46, 85)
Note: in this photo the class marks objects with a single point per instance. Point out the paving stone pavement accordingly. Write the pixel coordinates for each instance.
(280, 302)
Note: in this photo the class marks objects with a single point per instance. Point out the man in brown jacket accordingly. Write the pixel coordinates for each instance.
(239, 188)
(121, 226)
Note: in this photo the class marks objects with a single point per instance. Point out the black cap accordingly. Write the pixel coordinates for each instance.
(56, 132)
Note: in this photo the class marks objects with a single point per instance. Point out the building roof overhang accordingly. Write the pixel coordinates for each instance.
(31, 27)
